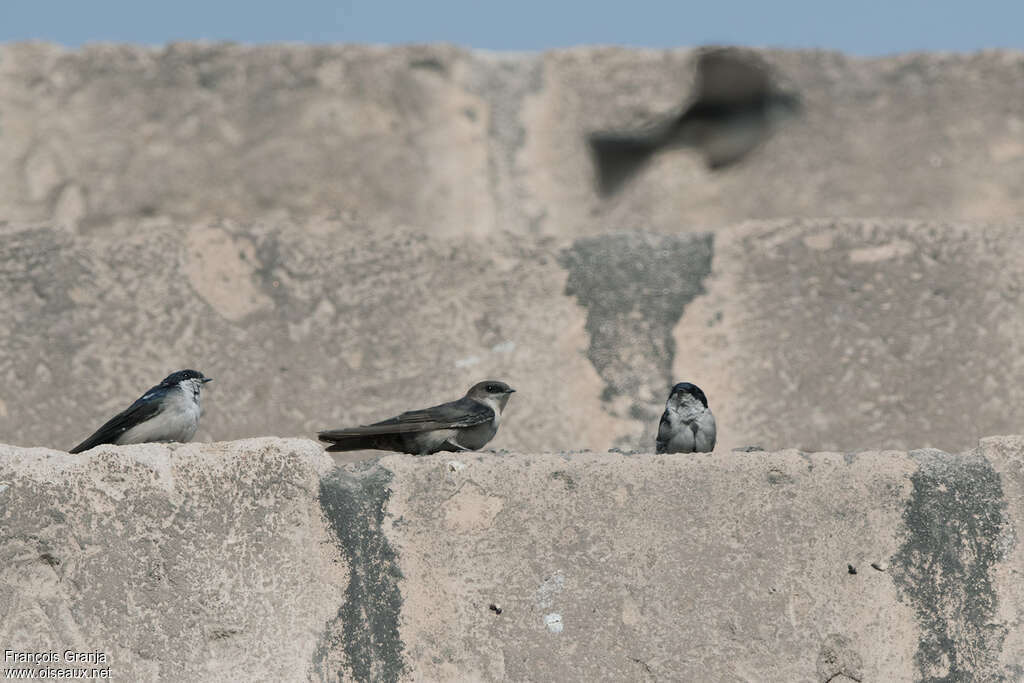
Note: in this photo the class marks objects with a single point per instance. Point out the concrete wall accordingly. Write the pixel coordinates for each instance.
(337, 234)
(821, 334)
(260, 559)
(340, 233)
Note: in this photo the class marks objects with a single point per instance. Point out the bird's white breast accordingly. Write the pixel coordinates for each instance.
(494, 405)
(177, 421)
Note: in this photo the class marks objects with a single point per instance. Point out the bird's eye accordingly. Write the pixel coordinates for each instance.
(493, 389)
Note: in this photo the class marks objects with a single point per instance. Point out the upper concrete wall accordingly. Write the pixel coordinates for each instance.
(457, 142)
(258, 560)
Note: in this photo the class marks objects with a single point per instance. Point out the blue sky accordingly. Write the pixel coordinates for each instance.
(865, 27)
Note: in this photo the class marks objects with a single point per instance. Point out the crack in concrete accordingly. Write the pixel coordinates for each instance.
(648, 673)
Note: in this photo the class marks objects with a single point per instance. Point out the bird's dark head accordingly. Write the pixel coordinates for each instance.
(492, 392)
(176, 378)
(682, 392)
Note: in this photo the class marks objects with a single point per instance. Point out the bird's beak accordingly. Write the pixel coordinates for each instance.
(510, 390)
(207, 379)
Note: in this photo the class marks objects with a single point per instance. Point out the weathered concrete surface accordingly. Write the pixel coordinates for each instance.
(860, 334)
(821, 334)
(179, 563)
(302, 328)
(459, 142)
(260, 559)
(340, 233)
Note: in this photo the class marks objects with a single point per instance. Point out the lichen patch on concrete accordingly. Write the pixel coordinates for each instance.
(955, 536)
(635, 287)
(366, 626)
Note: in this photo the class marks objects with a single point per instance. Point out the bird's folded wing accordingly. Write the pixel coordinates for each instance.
(138, 412)
(664, 433)
(454, 415)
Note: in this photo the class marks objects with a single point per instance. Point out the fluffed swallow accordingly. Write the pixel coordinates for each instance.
(463, 425)
(687, 425)
(733, 109)
(169, 411)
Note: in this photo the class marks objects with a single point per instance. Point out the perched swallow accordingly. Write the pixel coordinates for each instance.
(168, 412)
(733, 109)
(463, 425)
(687, 425)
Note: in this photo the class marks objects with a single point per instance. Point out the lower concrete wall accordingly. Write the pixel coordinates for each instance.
(263, 559)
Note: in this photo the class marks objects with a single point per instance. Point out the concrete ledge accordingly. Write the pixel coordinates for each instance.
(263, 559)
